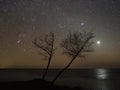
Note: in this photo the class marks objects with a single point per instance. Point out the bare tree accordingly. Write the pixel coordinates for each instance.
(46, 46)
(76, 45)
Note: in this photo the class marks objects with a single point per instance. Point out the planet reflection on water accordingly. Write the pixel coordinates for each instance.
(101, 73)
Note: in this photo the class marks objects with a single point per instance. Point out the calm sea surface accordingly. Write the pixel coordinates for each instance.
(92, 79)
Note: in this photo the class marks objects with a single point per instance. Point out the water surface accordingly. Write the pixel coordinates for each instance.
(91, 79)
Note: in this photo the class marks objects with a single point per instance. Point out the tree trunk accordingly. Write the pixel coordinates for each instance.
(70, 61)
(64, 69)
(51, 54)
(43, 77)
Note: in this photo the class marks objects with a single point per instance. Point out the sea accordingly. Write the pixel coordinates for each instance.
(89, 79)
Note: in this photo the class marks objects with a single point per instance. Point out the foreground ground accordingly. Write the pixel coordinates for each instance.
(37, 84)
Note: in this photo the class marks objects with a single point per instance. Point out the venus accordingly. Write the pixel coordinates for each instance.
(98, 42)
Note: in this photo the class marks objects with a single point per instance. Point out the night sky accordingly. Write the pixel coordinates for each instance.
(23, 20)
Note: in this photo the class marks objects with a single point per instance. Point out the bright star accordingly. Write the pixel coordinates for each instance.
(98, 42)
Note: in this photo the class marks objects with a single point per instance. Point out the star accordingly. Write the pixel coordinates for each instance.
(98, 42)
(18, 41)
(82, 23)
(24, 50)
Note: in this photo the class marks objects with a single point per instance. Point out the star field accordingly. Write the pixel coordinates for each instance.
(23, 20)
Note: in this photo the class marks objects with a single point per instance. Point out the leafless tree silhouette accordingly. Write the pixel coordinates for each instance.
(46, 46)
(76, 45)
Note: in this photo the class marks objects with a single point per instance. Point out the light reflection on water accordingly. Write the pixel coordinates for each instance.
(101, 73)
(104, 79)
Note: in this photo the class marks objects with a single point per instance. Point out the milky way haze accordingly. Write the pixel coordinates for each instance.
(23, 20)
